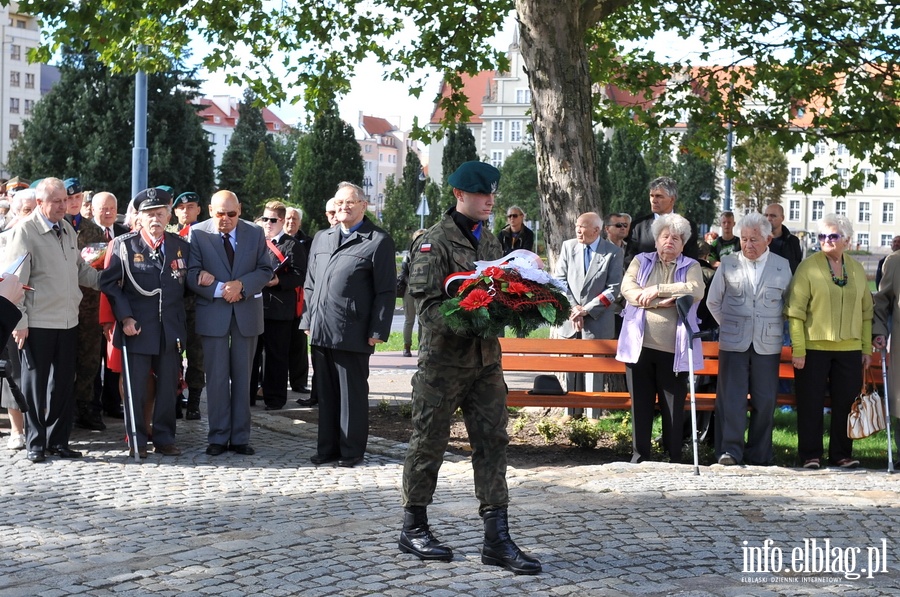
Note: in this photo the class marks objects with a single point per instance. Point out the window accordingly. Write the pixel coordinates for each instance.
(15, 52)
(29, 106)
(797, 150)
(13, 105)
(796, 176)
(496, 158)
(217, 119)
(14, 78)
(497, 128)
(862, 239)
(817, 208)
(20, 23)
(816, 175)
(886, 240)
(864, 215)
(867, 173)
(368, 148)
(794, 211)
(515, 131)
(14, 131)
(277, 126)
(29, 81)
(840, 208)
(842, 149)
(887, 213)
(523, 96)
(843, 177)
(821, 147)
(211, 136)
(889, 179)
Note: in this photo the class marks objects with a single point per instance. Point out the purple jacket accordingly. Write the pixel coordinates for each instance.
(631, 339)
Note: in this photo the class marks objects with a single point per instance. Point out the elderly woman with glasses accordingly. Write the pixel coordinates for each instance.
(653, 345)
(829, 310)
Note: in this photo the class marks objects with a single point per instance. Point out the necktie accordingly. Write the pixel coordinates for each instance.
(229, 250)
(587, 257)
(57, 230)
(107, 233)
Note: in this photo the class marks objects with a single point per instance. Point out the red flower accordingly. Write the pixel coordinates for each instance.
(516, 287)
(476, 299)
(466, 284)
(492, 272)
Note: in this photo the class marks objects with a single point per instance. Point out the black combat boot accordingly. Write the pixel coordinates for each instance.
(88, 417)
(193, 405)
(500, 550)
(416, 537)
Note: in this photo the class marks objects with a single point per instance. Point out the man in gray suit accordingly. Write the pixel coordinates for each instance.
(747, 297)
(592, 269)
(229, 266)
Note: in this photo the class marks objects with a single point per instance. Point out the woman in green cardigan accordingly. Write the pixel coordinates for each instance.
(829, 310)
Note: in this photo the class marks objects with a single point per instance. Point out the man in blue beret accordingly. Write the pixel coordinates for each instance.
(458, 371)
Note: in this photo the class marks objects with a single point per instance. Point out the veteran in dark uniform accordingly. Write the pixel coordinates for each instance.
(145, 283)
(457, 371)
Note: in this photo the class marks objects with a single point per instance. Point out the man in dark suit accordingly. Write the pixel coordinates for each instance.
(279, 308)
(298, 367)
(590, 266)
(145, 284)
(46, 336)
(229, 266)
(349, 297)
(663, 193)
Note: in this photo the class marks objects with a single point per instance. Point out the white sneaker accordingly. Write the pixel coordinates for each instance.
(16, 441)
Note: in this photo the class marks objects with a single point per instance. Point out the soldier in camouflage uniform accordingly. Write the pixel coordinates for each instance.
(457, 371)
(88, 356)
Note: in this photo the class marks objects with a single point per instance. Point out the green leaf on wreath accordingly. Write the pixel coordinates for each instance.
(547, 311)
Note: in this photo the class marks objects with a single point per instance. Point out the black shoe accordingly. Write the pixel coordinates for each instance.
(192, 414)
(499, 549)
(307, 402)
(416, 537)
(36, 455)
(245, 449)
(115, 413)
(215, 449)
(303, 390)
(350, 462)
(273, 407)
(318, 459)
(91, 422)
(64, 452)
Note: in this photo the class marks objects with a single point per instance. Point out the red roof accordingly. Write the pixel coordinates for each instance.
(374, 125)
(211, 110)
(476, 88)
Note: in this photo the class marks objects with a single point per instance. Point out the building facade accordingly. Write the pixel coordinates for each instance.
(20, 82)
(384, 149)
(220, 115)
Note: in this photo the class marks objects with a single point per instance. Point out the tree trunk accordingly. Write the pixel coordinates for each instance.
(552, 41)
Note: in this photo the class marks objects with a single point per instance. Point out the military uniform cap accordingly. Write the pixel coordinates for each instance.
(152, 198)
(34, 183)
(166, 188)
(187, 197)
(73, 186)
(475, 177)
(16, 183)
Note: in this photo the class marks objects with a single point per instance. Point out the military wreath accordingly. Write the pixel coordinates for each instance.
(511, 292)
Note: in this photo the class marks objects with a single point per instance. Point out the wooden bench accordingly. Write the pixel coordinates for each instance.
(557, 355)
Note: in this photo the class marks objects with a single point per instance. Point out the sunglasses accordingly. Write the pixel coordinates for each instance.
(829, 237)
(513, 216)
(620, 225)
(269, 220)
(230, 214)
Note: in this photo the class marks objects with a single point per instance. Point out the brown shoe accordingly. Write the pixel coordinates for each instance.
(142, 452)
(168, 450)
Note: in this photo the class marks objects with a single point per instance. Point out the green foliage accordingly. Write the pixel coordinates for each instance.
(583, 433)
(604, 185)
(84, 127)
(548, 429)
(627, 174)
(284, 152)
(326, 156)
(761, 171)
(459, 147)
(437, 203)
(518, 186)
(399, 217)
(520, 423)
(695, 173)
(263, 183)
(384, 406)
(249, 133)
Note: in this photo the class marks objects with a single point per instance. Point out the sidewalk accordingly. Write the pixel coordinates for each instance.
(273, 524)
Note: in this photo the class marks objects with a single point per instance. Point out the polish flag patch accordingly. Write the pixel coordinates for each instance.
(425, 248)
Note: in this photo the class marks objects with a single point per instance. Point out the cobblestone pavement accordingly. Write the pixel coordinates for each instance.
(274, 524)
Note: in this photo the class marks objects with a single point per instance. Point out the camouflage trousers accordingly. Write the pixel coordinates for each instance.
(438, 391)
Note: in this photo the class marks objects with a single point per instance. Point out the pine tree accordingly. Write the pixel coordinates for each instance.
(695, 173)
(326, 156)
(761, 172)
(459, 148)
(263, 184)
(399, 216)
(518, 186)
(627, 175)
(249, 132)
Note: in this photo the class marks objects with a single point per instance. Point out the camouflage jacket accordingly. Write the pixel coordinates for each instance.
(441, 251)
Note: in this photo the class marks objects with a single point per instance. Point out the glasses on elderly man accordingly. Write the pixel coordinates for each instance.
(349, 203)
(230, 214)
(829, 237)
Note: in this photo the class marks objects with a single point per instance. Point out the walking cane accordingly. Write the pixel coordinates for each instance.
(683, 306)
(129, 401)
(887, 411)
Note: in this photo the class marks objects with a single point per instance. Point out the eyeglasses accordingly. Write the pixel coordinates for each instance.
(513, 216)
(230, 214)
(269, 220)
(833, 238)
(347, 204)
(329, 213)
(619, 225)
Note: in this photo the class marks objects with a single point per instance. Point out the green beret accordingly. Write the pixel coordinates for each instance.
(475, 177)
(188, 197)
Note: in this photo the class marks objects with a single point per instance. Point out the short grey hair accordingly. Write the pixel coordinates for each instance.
(673, 223)
(755, 221)
(518, 209)
(608, 221)
(15, 206)
(668, 185)
(842, 223)
(295, 209)
(358, 193)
